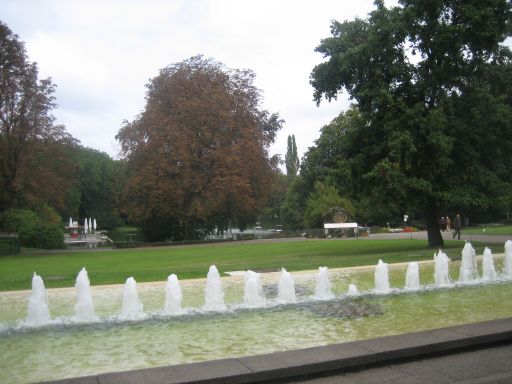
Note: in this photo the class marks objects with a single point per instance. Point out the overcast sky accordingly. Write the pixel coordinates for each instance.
(102, 53)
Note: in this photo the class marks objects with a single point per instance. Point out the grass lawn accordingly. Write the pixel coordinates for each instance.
(489, 230)
(193, 261)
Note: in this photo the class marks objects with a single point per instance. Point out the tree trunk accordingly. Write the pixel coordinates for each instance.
(435, 240)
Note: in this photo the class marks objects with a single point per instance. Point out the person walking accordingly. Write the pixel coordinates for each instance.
(448, 223)
(457, 223)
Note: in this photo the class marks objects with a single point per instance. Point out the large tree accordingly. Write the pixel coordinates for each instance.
(335, 160)
(33, 168)
(428, 78)
(198, 153)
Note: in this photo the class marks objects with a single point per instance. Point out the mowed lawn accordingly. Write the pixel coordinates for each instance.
(490, 230)
(193, 261)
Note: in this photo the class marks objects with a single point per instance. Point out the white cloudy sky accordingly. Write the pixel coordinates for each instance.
(101, 53)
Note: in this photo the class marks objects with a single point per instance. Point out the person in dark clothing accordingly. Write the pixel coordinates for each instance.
(457, 224)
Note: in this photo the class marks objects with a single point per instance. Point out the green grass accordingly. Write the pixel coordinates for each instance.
(489, 230)
(155, 264)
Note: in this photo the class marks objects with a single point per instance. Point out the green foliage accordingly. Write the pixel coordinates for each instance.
(33, 170)
(13, 220)
(292, 158)
(294, 204)
(322, 199)
(161, 228)
(97, 188)
(429, 80)
(34, 231)
(42, 235)
(48, 215)
(198, 153)
(327, 160)
(41, 165)
(272, 213)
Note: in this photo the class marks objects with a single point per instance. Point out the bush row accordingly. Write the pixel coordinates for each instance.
(41, 229)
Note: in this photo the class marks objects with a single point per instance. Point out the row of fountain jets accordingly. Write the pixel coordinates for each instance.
(132, 308)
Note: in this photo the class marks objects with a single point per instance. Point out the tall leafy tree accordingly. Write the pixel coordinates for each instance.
(326, 161)
(335, 160)
(322, 199)
(292, 158)
(427, 77)
(33, 169)
(198, 153)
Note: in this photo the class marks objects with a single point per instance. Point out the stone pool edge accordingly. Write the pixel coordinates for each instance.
(315, 361)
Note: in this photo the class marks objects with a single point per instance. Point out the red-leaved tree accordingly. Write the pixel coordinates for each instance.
(198, 153)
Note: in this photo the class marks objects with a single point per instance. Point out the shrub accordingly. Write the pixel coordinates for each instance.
(47, 236)
(32, 229)
(13, 220)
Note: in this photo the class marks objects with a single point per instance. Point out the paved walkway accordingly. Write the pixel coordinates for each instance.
(492, 365)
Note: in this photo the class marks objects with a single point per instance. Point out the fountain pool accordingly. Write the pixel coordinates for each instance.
(66, 349)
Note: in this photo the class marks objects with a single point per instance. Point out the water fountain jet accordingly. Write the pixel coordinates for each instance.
(352, 290)
(38, 309)
(84, 307)
(323, 284)
(132, 307)
(412, 276)
(173, 296)
(253, 290)
(286, 288)
(441, 269)
(488, 270)
(468, 264)
(214, 294)
(507, 262)
(381, 277)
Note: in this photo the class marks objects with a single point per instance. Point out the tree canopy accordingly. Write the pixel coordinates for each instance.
(198, 153)
(44, 171)
(33, 168)
(429, 80)
(321, 201)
